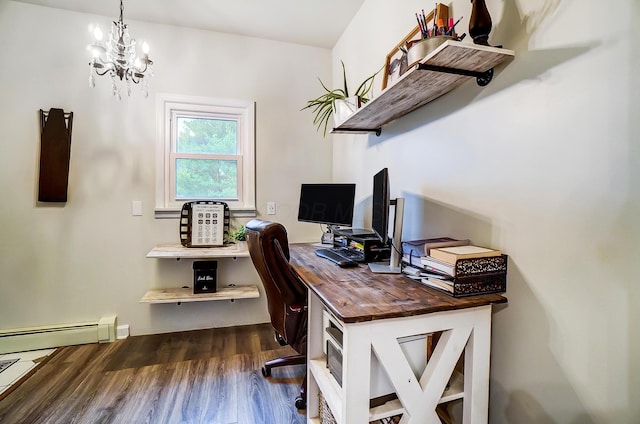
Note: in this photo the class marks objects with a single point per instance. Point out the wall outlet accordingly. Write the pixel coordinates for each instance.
(271, 208)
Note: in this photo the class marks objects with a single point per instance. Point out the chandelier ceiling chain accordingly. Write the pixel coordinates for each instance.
(118, 59)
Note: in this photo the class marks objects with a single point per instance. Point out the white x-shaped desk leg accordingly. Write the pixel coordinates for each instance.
(462, 329)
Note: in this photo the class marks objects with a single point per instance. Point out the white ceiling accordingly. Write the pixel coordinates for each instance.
(311, 22)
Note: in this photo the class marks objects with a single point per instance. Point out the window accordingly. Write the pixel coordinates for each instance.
(206, 151)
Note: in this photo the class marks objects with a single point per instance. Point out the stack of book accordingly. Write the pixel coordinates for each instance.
(459, 270)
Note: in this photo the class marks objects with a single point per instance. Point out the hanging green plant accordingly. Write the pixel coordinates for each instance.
(323, 106)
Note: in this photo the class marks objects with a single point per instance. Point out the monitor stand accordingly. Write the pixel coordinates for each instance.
(383, 268)
(393, 267)
(327, 238)
(354, 232)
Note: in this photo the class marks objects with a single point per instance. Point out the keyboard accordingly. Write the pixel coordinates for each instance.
(334, 257)
(352, 254)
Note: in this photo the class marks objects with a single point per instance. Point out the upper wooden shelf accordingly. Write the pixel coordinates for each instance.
(177, 251)
(451, 64)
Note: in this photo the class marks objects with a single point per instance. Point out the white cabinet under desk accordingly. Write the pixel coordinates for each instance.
(374, 315)
(229, 291)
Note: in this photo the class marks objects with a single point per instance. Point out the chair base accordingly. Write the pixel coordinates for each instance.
(300, 401)
(281, 362)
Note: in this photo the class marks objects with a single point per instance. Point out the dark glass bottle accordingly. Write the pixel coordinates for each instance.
(480, 22)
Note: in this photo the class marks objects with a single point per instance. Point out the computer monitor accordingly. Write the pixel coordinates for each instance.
(381, 203)
(330, 204)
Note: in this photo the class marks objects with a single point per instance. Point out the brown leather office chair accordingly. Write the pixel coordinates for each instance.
(286, 293)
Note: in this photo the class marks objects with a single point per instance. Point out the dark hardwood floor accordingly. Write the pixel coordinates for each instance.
(195, 377)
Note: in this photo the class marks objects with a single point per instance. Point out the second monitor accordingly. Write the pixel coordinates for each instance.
(382, 202)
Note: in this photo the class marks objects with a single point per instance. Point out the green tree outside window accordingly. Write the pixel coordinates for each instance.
(206, 178)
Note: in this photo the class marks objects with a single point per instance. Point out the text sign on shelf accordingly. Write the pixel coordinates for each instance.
(204, 223)
(207, 225)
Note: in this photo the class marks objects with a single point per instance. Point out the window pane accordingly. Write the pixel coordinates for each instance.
(206, 178)
(201, 135)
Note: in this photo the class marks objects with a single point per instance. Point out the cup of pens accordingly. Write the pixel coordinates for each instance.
(432, 37)
(420, 49)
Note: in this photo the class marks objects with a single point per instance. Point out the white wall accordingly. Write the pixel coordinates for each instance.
(544, 164)
(86, 258)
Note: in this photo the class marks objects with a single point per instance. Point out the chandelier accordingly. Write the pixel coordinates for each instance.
(118, 59)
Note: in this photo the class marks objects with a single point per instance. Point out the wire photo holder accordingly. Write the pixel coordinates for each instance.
(204, 223)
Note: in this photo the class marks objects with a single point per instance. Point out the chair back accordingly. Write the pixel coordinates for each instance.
(286, 293)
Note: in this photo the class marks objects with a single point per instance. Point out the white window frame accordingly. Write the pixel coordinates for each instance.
(168, 108)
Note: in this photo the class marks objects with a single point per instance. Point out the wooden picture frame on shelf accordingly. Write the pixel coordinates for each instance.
(396, 61)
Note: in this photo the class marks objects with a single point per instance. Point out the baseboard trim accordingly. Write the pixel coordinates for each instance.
(122, 332)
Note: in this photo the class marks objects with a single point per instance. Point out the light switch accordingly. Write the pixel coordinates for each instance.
(136, 208)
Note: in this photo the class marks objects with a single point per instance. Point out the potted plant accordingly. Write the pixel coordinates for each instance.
(336, 101)
(239, 237)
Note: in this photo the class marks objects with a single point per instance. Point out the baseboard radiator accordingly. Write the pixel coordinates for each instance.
(45, 337)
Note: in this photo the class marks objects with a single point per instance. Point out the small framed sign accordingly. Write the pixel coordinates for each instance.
(204, 223)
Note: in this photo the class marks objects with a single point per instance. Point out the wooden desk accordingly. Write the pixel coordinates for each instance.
(374, 310)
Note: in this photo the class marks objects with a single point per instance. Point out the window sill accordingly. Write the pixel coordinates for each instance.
(175, 213)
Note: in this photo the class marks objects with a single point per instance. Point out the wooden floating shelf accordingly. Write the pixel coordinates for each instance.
(178, 251)
(456, 62)
(184, 295)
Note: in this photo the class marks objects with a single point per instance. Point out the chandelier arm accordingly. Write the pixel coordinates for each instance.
(104, 73)
(142, 71)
